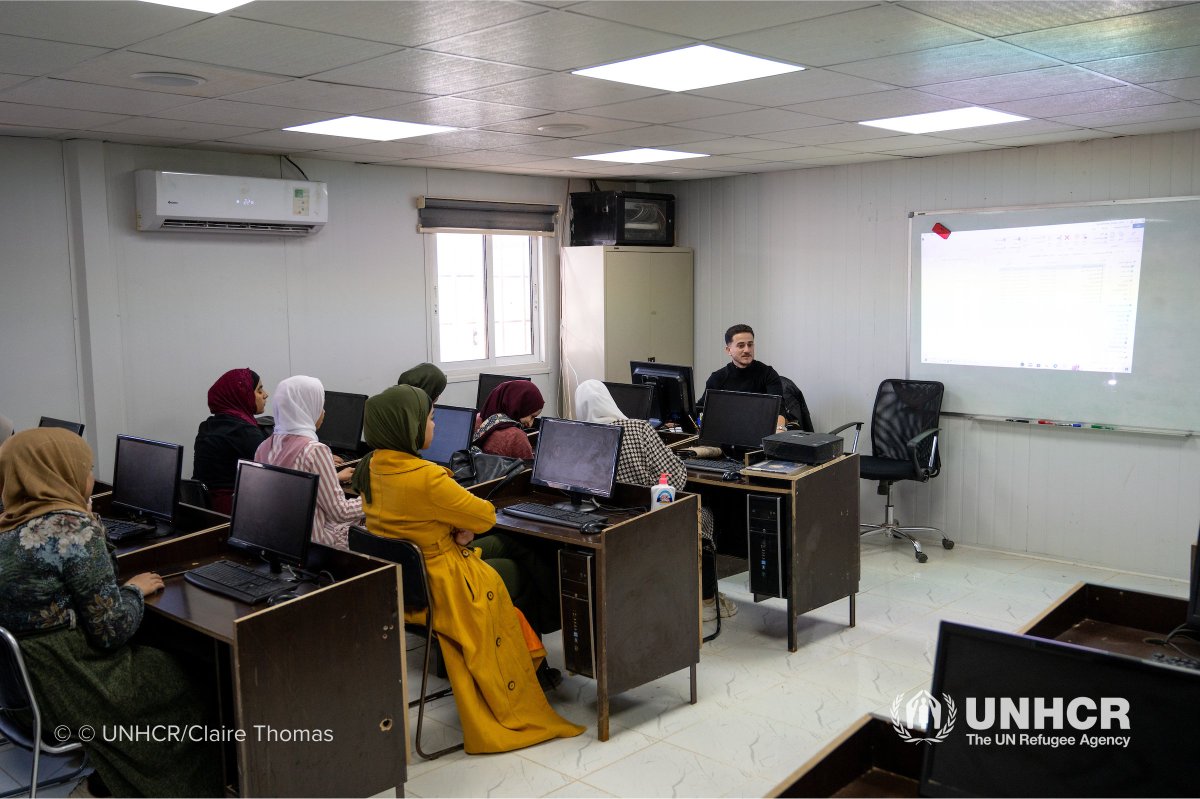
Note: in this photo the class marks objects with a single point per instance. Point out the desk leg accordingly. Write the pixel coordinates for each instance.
(602, 715)
(791, 620)
(692, 669)
(852, 596)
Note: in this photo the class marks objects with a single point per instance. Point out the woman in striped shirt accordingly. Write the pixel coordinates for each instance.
(299, 406)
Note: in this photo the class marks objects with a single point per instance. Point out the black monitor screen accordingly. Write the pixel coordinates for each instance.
(674, 396)
(738, 419)
(452, 429)
(146, 476)
(579, 457)
(342, 428)
(74, 427)
(1155, 755)
(636, 402)
(487, 384)
(273, 512)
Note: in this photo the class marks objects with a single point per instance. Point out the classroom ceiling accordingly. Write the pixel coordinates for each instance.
(501, 72)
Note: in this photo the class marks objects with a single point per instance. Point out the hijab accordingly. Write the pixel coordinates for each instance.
(297, 403)
(6, 428)
(508, 402)
(394, 419)
(42, 470)
(425, 376)
(233, 395)
(594, 403)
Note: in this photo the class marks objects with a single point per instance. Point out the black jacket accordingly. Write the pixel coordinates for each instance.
(220, 442)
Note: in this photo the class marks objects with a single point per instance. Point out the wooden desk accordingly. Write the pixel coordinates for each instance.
(820, 520)
(645, 587)
(328, 664)
(189, 520)
(1112, 620)
(868, 759)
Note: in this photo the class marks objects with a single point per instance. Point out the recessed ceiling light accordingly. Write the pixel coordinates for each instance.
(690, 68)
(207, 6)
(957, 119)
(369, 128)
(561, 129)
(168, 79)
(641, 156)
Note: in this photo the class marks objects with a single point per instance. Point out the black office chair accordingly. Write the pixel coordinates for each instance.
(416, 597)
(21, 723)
(794, 408)
(904, 446)
(193, 492)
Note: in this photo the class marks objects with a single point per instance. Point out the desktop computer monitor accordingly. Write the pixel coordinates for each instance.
(487, 384)
(1193, 619)
(674, 398)
(74, 427)
(980, 666)
(738, 420)
(452, 429)
(342, 428)
(146, 477)
(636, 402)
(273, 511)
(577, 457)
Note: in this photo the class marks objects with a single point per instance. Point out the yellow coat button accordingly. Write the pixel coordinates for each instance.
(491, 595)
(512, 685)
(497, 642)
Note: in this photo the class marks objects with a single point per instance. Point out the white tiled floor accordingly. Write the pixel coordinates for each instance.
(762, 711)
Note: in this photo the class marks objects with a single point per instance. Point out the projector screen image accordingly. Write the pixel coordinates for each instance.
(1058, 297)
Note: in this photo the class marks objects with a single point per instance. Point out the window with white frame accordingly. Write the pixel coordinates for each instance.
(486, 299)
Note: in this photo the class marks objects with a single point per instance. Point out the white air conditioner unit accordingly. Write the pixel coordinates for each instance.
(181, 201)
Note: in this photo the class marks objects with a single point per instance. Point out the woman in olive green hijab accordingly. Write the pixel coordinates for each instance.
(425, 376)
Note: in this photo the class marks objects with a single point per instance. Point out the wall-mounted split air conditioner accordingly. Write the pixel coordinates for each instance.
(185, 202)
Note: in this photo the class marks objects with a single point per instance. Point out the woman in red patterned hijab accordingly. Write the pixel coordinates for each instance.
(229, 435)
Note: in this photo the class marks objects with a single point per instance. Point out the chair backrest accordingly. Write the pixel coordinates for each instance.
(16, 697)
(904, 409)
(193, 492)
(404, 553)
(794, 406)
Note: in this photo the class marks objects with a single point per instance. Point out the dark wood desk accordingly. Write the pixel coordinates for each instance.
(189, 520)
(645, 599)
(820, 527)
(868, 759)
(315, 683)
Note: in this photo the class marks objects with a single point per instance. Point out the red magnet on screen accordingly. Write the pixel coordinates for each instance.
(941, 230)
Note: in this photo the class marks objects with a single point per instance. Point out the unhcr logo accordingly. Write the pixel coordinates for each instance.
(924, 710)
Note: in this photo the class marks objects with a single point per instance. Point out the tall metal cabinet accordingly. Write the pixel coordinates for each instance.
(622, 304)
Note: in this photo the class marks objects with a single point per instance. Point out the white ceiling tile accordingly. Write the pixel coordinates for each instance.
(392, 150)
(1185, 89)
(990, 132)
(794, 87)
(891, 144)
(1049, 138)
(649, 136)
(1084, 102)
(1163, 29)
(747, 123)
(1130, 116)
(714, 162)
(733, 145)
(852, 158)
(479, 157)
(667, 108)
(428, 73)
(774, 166)
(246, 44)
(1164, 65)
(1004, 17)
(951, 63)
(560, 147)
(591, 125)
(561, 92)
(90, 97)
(100, 23)
(797, 153)
(829, 134)
(115, 69)
(851, 36)
(711, 19)
(293, 141)
(455, 112)
(945, 149)
(1021, 85)
(409, 23)
(332, 97)
(46, 117)
(134, 138)
(1160, 126)
(173, 128)
(476, 139)
(878, 105)
(558, 41)
(22, 56)
(246, 115)
(240, 147)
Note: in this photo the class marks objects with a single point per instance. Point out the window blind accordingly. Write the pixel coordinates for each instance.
(485, 216)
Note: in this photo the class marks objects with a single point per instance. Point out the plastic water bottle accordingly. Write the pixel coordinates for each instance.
(662, 494)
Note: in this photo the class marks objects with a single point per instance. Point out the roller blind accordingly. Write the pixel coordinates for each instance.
(485, 216)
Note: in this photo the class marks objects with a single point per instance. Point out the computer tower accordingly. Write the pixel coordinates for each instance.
(575, 587)
(766, 545)
(622, 218)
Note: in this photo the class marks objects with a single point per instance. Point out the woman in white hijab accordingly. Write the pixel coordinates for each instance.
(299, 408)
(644, 457)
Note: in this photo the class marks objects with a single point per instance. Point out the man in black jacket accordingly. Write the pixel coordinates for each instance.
(743, 373)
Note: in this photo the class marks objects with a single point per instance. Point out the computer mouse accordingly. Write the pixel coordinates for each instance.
(282, 597)
(593, 527)
(731, 477)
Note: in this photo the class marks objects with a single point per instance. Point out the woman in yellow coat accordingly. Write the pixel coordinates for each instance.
(487, 646)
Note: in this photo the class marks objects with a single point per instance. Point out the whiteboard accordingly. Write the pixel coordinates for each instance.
(1156, 386)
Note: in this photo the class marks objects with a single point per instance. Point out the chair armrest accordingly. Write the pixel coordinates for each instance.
(925, 471)
(857, 431)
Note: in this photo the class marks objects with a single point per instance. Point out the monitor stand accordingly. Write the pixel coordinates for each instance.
(576, 503)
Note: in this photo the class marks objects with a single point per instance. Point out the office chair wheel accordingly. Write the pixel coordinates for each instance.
(947, 543)
(922, 557)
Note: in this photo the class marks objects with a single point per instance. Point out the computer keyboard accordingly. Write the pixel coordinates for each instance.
(1176, 660)
(237, 581)
(125, 530)
(552, 515)
(712, 465)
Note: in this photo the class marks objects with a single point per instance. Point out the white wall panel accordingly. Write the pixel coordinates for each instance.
(816, 261)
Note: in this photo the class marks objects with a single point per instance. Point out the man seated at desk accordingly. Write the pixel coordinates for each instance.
(743, 373)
